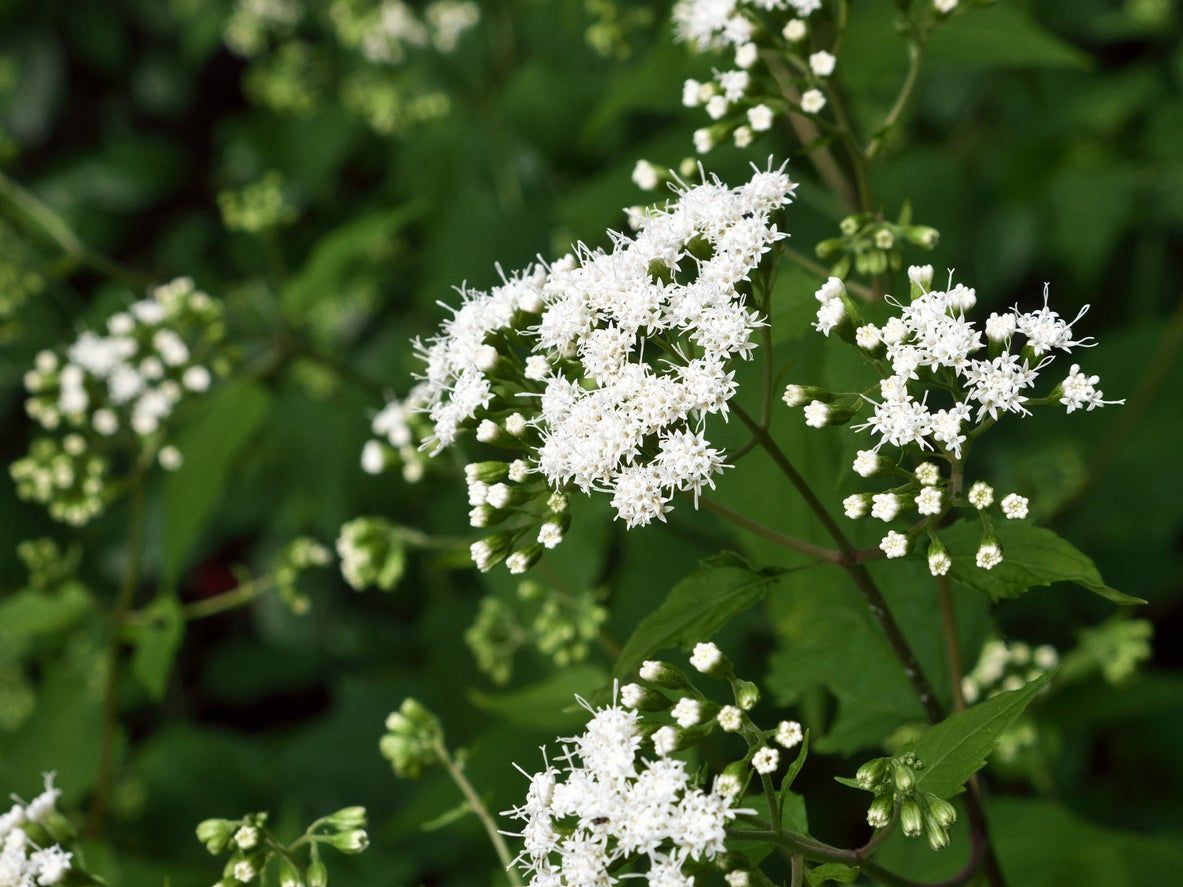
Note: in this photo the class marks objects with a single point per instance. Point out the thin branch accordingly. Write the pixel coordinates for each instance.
(482, 813)
(915, 57)
(952, 643)
(863, 292)
(829, 555)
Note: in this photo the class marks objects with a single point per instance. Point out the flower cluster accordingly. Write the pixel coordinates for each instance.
(259, 207)
(383, 32)
(598, 372)
(1006, 666)
(744, 100)
(893, 782)
(397, 429)
(414, 739)
(252, 847)
(372, 553)
(30, 850)
(605, 803)
(944, 381)
(112, 393)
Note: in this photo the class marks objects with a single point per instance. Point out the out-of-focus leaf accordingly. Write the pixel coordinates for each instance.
(956, 748)
(155, 640)
(31, 613)
(1001, 36)
(209, 444)
(721, 588)
(548, 703)
(1031, 556)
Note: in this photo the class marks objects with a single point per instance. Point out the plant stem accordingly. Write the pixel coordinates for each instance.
(482, 813)
(829, 555)
(863, 292)
(798, 870)
(952, 645)
(123, 601)
(24, 207)
(915, 57)
(851, 562)
(227, 600)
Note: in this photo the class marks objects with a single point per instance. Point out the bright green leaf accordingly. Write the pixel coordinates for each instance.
(956, 748)
(831, 871)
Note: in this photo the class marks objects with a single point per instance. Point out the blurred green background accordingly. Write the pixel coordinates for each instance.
(1045, 144)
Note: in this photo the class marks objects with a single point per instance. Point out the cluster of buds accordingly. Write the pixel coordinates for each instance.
(929, 352)
(258, 207)
(414, 739)
(295, 559)
(105, 400)
(558, 624)
(893, 782)
(870, 245)
(372, 553)
(530, 516)
(253, 850)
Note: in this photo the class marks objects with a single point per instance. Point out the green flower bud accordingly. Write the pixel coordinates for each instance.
(911, 817)
(871, 774)
(881, 810)
(350, 842)
(318, 875)
(348, 818)
(938, 836)
(215, 834)
(903, 776)
(412, 740)
(942, 811)
(799, 395)
(371, 552)
(485, 472)
(663, 675)
(289, 875)
(747, 694)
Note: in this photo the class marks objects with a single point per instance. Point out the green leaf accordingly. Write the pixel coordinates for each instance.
(1031, 556)
(448, 817)
(792, 813)
(550, 703)
(156, 640)
(32, 613)
(209, 444)
(831, 871)
(794, 768)
(722, 587)
(956, 748)
(1001, 36)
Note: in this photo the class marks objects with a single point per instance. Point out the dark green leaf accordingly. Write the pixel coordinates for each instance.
(156, 640)
(831, 871)
(1031, 556)
(722, 587)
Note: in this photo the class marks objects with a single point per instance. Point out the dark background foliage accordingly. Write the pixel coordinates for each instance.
(1046, 144)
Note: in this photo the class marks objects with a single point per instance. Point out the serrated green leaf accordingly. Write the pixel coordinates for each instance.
(718, 590)
(956, 748)
(155, 640)
(1031, 556)
(209, 444)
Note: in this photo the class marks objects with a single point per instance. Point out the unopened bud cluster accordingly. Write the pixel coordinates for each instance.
(296, 558)
(1003, 666)
(894, 784)
(414, 739)
(558, 624)
(251, 848)
(372, 553)
(398, 429)
(870, 245)
(105, 400)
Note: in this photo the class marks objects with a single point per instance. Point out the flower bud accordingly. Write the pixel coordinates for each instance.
(639, 698)
(348, 818)
(663, 675)
(942, 811)
(318, 875)
(903, 776)
(289, 875)
(911, 817)
(709, 659)
(799, 395)
(350, 842)
(871, 774)
(215, 834)
(881, 809)
(939, 561)
(523, 559)
(746, 693)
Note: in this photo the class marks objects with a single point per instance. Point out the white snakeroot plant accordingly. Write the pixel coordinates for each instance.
(31, 839)
(943, 382)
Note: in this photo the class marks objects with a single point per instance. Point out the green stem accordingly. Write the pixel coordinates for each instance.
(482, 813)
(915, 58)
(227, 600)
(829, 555)
(123, 601)
(24, 207)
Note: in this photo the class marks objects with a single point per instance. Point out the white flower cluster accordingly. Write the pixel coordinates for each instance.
(605, 803)
(736, 99)
(384, 31)
(602, 368)
(931, 352)
(22, 862)
(1006, 666)
(252, 23)
(116, 389)
(396, 431)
